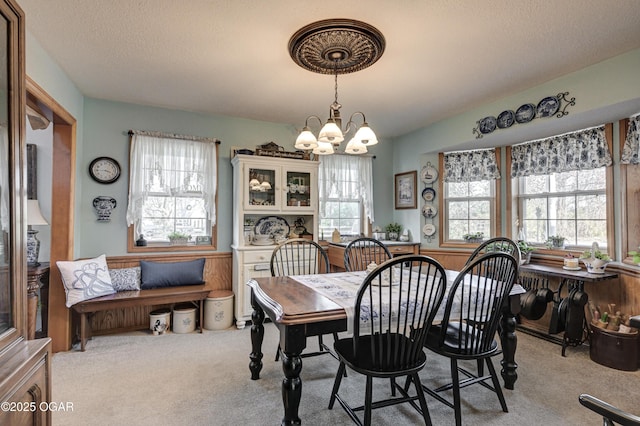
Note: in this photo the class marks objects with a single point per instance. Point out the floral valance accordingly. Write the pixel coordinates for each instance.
(631, 148)
(582, 150)
(470, 166)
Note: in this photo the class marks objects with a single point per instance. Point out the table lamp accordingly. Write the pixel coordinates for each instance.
(34, 217)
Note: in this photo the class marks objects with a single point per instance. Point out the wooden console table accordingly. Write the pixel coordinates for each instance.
(35, 282)
(574, 282)
(396, 248)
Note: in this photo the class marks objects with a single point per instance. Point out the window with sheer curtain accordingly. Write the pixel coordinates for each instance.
(346, 194)
(561, 187)
(469, 193)
(172, 189)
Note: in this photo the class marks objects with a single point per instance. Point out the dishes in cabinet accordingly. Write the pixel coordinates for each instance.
(429, 210)
(273, 226)
(428, 174)
(428, 194)
(429, 230)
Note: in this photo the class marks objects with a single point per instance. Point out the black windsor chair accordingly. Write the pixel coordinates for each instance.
(471, 318)
(394, 307)
(609, 413)
(497, 244)
(363, 251)
(301, 256)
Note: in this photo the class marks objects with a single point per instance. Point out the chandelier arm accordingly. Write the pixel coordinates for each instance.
(306, 121)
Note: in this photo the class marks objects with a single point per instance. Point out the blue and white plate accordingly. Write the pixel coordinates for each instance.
(273, 226)
(428, 194)
(506, 119)
(548, 106)
(525, 113)
(487, 125)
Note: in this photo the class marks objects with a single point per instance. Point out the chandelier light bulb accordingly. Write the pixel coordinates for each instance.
(355, 147)
(331, 133)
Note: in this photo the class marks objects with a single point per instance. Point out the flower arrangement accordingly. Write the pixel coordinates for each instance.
(597, 254)
(524, 247)
(595, 260)
(473, 237)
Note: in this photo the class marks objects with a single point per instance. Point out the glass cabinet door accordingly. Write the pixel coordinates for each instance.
(6, 317)
(298, 190)
(261, 188)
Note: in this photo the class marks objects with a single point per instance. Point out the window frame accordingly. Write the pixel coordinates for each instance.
(496, 221)
(153, 247)
(513, 207)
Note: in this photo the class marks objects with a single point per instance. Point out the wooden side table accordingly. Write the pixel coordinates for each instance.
(35, 274)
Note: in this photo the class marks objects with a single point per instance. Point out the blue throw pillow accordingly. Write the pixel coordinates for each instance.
(171, 274)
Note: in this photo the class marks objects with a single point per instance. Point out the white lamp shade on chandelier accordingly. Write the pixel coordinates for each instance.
(336, 46)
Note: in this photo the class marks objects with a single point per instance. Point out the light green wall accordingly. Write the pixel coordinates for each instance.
(604, 92)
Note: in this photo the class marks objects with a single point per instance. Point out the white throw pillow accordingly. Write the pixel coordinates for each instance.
(85, 279)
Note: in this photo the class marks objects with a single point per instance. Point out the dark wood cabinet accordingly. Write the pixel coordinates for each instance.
(25, 365)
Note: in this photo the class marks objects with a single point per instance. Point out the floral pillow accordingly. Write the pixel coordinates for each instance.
(124, 279)
(85, 279)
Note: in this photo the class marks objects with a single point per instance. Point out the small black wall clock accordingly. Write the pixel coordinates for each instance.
(104, 170)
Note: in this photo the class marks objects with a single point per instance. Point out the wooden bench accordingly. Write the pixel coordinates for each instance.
(195, 294)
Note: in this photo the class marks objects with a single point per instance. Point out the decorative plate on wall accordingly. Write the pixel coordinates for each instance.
(487, 125)
(525, 113)
(429, 174)
(548, 106)
(429, 210)
(506, 119)
(429, 230)
(428, 194)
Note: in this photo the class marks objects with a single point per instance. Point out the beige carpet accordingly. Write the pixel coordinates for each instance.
(193, 379)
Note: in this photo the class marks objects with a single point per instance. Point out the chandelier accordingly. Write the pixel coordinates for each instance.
(336, 46)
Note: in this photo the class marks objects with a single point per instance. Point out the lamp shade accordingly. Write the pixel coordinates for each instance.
(34, 216)
(306, 140)
(323, 148)
(366, 135)
(355, 147)
(331, 133)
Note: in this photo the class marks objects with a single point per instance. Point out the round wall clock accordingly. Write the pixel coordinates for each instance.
(104, 170)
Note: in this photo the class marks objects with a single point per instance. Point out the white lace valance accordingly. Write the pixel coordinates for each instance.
(631, 148)
(471, 166)
(582, 150)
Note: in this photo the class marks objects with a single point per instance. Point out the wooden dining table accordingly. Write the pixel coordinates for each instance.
(300, 311)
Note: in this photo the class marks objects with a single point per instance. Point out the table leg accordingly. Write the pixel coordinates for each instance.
(291, 387)
(257, 336)
(509, 342)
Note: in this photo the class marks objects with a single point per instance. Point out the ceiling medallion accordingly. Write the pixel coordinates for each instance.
(336, 46)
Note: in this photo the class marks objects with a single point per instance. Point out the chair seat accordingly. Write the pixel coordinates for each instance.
(364, 362)
(459, 339)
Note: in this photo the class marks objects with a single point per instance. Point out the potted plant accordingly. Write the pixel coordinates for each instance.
(474, 237)
(393, 230)
(178, 238)
(635, 256)
(525, 252)
(595, 260)
(555, 241)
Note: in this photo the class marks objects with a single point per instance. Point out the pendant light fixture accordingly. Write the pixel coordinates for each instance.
(336, 46)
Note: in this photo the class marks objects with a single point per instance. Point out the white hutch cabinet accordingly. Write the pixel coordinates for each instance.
(269, 195)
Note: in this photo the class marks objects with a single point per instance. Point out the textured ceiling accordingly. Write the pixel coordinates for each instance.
(230, 57)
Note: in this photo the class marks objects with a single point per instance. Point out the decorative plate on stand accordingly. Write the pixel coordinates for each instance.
(272, 226)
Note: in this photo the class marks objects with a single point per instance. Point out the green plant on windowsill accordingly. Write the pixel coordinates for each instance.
(525, 248)
(555, 241)
(473, 237)
(635, 256)
(597, 254)
(177, 238)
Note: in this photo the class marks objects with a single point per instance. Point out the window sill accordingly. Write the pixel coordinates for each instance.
(166, 247)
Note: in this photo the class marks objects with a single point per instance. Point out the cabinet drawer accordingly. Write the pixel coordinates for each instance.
(258, 256)
(400, 249)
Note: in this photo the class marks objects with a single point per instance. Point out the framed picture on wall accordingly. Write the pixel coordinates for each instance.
(405, 189)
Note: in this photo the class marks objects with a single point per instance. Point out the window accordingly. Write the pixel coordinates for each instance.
(469, 207)
(562, 187)
(568, 204)
(172, 190)
(346, 194)
(469, 194)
